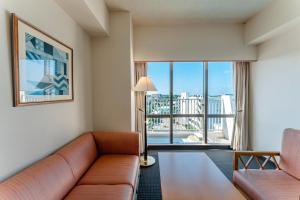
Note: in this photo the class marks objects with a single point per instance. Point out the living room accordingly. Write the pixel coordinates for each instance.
(149, 99)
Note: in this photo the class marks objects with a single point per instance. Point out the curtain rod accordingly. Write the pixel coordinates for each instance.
(143, 61)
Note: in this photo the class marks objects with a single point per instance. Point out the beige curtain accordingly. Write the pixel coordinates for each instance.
(240, 131)
(140, 70)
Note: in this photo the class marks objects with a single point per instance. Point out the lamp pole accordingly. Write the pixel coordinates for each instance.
(145, 126)
(143, 85)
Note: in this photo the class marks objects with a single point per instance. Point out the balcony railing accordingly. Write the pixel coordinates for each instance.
(188, 118)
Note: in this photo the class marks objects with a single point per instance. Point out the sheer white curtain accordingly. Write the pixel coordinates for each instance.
(240, 131)
(140, 70)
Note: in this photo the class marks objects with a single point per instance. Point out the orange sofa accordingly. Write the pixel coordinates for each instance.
(95, 166)
(280, 184)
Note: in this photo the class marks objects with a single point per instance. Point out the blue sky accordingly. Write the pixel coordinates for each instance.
(32, 72)
(188, 77)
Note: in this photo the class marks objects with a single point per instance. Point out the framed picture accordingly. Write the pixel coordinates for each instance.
(42, 66)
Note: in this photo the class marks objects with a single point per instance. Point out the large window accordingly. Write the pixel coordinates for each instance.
(194, 103)
(221, 103)
(159, 103)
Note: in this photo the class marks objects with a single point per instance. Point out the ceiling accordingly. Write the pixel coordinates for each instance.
(175, 12)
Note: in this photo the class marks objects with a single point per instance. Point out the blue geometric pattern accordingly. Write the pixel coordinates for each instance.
(54, 80)
(32, 56)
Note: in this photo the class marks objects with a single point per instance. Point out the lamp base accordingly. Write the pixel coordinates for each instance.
(147, 163)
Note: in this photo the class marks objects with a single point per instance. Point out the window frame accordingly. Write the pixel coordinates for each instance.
(205, 115)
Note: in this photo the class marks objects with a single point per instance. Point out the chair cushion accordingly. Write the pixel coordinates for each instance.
(48, 179)
(101, 192)
(112, 169)
(267, 184)
(290, 152)
(80, 154)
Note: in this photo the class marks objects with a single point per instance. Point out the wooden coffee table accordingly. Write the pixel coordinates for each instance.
(193, 176)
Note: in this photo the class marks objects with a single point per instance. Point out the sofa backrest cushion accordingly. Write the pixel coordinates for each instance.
(117, 142)
(48, 179)
(80, 154)
(290, 152)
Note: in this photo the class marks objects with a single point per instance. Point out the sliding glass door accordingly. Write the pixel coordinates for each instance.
(159, 103)
(221, 103)
(194, 103)
(188, 104)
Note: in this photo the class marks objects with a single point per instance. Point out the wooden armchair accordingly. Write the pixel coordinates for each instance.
(254, 155)
(278, 184)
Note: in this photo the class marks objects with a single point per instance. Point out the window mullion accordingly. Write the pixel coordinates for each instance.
(205, 101)
(171, 102)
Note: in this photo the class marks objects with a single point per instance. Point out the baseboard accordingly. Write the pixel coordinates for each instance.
(188, 147)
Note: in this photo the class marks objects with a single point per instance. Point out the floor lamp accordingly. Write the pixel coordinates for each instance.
(145, 85)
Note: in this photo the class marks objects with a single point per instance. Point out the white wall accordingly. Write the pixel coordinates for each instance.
(30, 133)
(188, 43)
(112, 68)
(100, 11)
(275, 19)
(274, 90)
(91, 15)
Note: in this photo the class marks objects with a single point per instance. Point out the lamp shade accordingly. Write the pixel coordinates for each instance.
(144, 85)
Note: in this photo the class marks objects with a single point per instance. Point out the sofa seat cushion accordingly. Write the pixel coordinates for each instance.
(112, 169)
(101, 192)
(267, 184)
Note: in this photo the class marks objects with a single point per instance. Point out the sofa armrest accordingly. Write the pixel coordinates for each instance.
(254, 155)
(117, 142)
